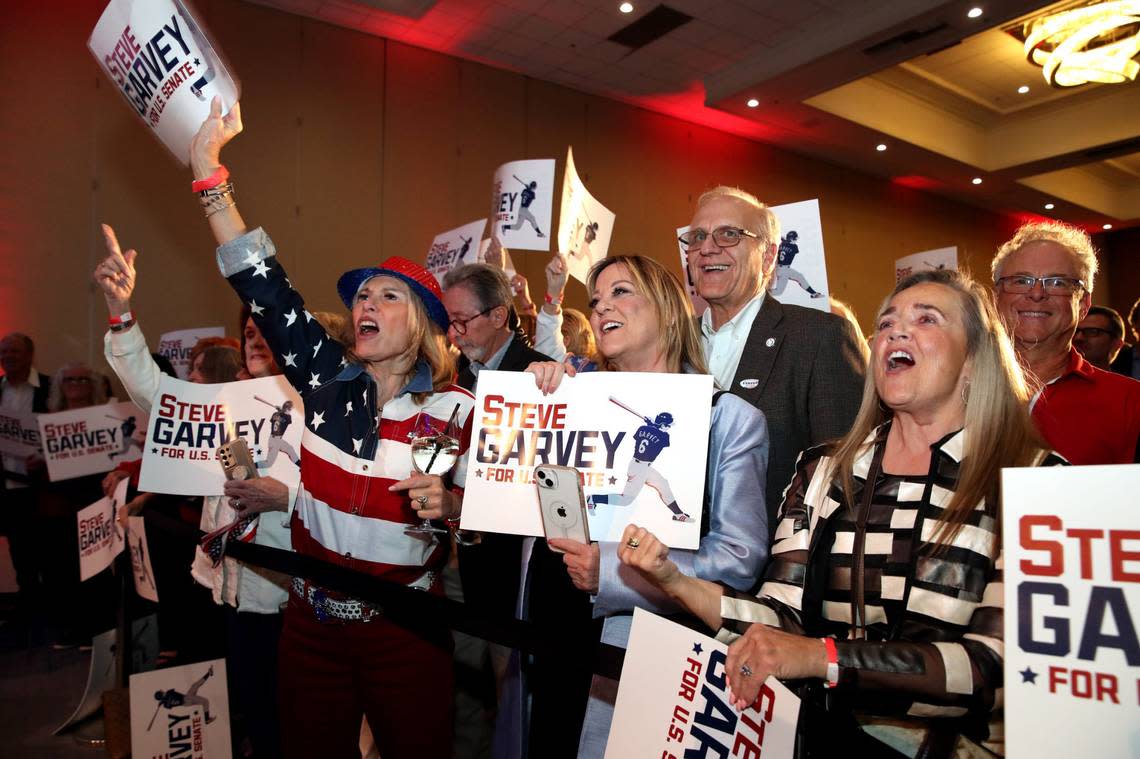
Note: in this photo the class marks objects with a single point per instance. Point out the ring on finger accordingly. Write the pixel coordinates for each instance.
(633, 542)
(746, 671)
(237, 504)
(422, 500)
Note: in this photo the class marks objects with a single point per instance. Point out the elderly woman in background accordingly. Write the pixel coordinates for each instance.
(78, 612)
(643, 322)
(885, 582)
(359, 500)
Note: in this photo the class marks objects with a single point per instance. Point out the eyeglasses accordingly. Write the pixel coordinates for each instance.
(1094, 332)
(1023, 283)
(724, 237)
(460, 325)
(79, 380)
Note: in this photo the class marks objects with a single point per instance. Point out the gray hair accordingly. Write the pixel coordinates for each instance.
(489, 284)
(767, 225)
(1076, 241)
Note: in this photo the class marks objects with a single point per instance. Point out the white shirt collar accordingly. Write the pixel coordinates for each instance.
(746, 315)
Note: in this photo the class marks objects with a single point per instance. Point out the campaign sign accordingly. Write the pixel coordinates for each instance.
(672, 701)
(454, 248)
(19, 433)
(638, 440)
(1072, 607)
(92, 439)
(141, 567)
(176, 346)
(800, 276)
(584, 225)
(164, 66)
(927, 260)
(100, 536)
(189, 422)
(181, 712)
(522, 199)
(699, 303)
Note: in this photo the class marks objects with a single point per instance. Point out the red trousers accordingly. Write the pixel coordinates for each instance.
(331, 673)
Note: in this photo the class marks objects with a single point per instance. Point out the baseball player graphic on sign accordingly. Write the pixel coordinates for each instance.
(528, 196)
(787, 253)
(466, 247)
(171, 698)
(649, 441)
(277, 443)
(126, 432)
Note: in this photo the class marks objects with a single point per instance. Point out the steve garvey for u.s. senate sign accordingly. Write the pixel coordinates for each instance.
(638, 440)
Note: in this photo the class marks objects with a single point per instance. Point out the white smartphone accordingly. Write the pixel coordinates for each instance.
(562, 503)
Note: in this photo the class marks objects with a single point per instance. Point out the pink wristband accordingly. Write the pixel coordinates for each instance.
(122, 318)
(552, 301)
(220, 175)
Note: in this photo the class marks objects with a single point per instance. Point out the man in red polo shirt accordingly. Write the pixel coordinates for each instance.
(1043, 280)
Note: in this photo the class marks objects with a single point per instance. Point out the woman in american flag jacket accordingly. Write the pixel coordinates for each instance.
(340, 657)
(884, 592)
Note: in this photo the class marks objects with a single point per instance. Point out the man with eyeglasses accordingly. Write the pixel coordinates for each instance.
(1100, 337)
(478, 300)
(23, 390)
(802, 367)
(1043, 281)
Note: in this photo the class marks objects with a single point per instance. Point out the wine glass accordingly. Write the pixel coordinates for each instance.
(433, 452)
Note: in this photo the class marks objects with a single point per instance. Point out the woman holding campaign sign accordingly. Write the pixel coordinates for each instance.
(643, 322)
(885, 588)
(359, 499)
(252, 598)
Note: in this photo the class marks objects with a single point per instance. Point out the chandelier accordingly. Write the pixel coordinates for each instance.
(1096, 43)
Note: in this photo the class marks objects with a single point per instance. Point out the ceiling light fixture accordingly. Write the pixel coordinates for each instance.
(626, 7)
(752, 102)
(881, 147)
(1049, 206)
(1107, 226)
(974, 13)
(976, 180)
(1096, 43)
(1023, 89)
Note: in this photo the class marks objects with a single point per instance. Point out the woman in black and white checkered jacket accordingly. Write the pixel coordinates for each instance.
(886, 601)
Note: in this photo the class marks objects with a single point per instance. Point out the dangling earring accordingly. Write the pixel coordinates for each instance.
(966, 393)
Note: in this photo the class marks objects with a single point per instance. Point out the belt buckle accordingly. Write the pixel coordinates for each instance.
(320, 604)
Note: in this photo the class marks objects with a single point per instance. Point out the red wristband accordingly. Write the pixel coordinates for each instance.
(220, 175)
(552, 301)
(122, 318)
(832, 678)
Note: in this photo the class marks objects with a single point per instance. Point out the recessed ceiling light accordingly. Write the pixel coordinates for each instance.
(1049, 206)
(976, 180)
(626, 7)
(752, 102)
(1023, 89)
(881, 147)
(1107, 226)
(974, 13)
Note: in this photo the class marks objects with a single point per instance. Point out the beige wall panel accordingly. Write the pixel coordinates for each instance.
(264, 48)
(339, 159)
(420, 192)
(491, 114)
(46, 249)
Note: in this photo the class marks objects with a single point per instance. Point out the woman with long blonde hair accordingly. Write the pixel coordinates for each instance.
(885, 582)
(642, 320)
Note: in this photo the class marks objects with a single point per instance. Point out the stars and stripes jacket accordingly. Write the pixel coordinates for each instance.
(933, 637)
(352, 450)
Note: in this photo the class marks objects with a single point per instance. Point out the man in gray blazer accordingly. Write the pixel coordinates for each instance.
(802, 367)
